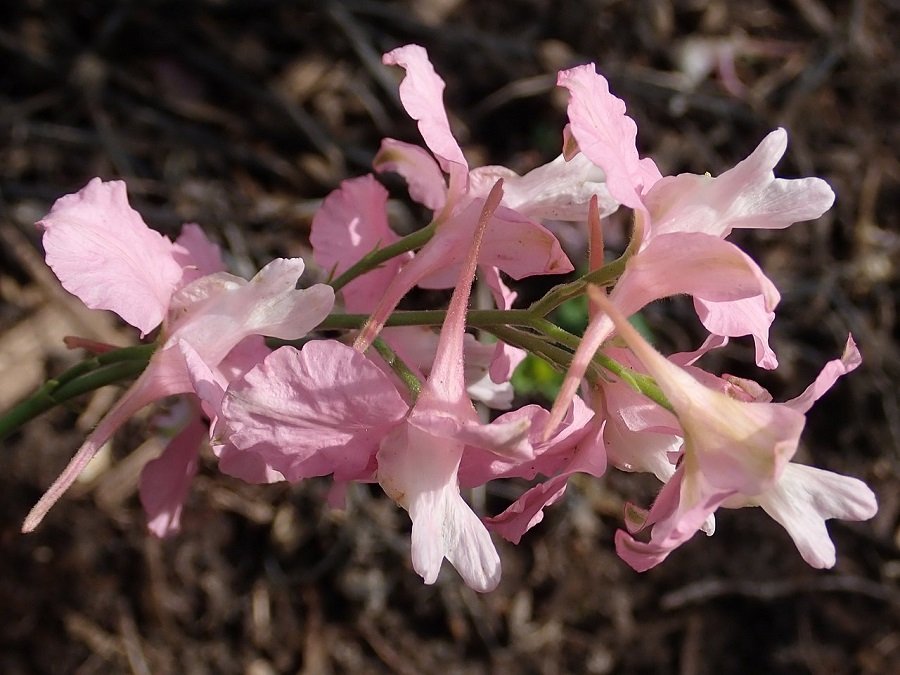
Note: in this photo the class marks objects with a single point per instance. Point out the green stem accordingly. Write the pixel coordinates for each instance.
(55, 392)
(399, 367)
(477, 318)
(560, 294)
(642, 384)
(603, 276)
(534, 344)
(380, 255)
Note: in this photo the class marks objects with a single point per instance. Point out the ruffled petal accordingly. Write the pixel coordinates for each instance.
(423, 176)
(547, 457)
(736, 318)
(805, 497)
(747, 195)
(422, 95)
(699, 265)
(850, 360)
(232, 309)
(606, 135)
(320, 410)
(102, 251)
(351, 223)
(528, 510)
(196, 254)
(558, 190)
(681, 509)
(166, 480)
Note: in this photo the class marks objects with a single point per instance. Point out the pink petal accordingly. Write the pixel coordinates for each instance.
(513, 243)
(505, 359)
(421, 93)
(699, 265)
(208, 384)
(351, 223)
(747, 195)
(548, 457)
(243, 357)
(805, 497)
(166, 480)
(527, 511)
(606, 135)
(506, 438)
(249, 467)
(558, 190)
(735, 318)
(522, 248)
(196, 254)
(640, 451)
(423, 176)
(493, 395)
(103, 252)
(418, 471)
(323, 409)
(228, 309)
(681, 509)
(850, 360)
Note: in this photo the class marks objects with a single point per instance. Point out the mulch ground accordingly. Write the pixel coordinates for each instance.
(241, 115)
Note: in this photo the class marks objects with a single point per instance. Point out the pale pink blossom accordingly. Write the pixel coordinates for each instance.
(352, 222)
(746, 196)
(805, 497)
(680, 221)
(514, 242)
(210, 315)
(731, 448)
(327, 409)
(418, 462)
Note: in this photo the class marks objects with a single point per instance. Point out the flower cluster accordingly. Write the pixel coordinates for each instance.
(401, 413)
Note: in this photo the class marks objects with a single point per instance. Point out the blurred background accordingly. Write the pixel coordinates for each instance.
(241, 115)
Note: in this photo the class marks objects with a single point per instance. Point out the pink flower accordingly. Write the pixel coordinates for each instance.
(731, 448)
(681, 221)
(418, 449)
(95, 240)
(328, 410)
(351, 223)
(514, 243)
(746, 196)
(418, 462)
(805, 497)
